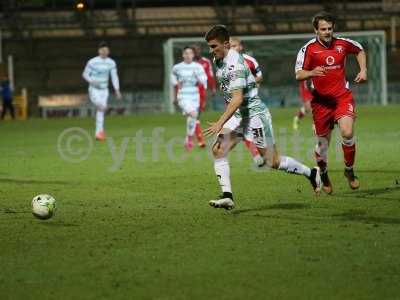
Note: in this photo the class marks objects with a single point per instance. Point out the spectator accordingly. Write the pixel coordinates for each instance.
(6, 94)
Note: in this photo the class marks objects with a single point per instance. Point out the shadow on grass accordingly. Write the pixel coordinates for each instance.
(371, 192)
(54, 223)
(11, 211)
(358, 215)
(372, 171)
(31, 181)
(278, 206)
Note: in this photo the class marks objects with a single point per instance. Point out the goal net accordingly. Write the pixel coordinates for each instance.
(277, 54)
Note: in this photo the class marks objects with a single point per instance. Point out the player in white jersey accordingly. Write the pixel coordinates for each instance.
(245, 116)
(255, 69)
(97, 73)
(185, 77)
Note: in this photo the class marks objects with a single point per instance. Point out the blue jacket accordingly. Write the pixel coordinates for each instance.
(6, 92)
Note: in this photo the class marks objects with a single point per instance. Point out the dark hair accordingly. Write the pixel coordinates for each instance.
(325, 16)
(187, 47)
(218, 32)
(195, 45)
(103, 44)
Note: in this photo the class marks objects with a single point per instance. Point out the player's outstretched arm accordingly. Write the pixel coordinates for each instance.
(237, 99)
(115, 82)
(305, 74)
(362, 62)
(86, 73)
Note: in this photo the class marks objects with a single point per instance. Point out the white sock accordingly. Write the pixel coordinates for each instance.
(291, 165)
(99, 121)
(348, 142)
(221, 167)
(190, 125)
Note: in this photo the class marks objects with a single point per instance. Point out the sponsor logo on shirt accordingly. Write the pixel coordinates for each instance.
(339, 49)
(330, 60)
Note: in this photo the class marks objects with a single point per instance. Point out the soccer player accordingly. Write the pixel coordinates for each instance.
(244, 115)
(186, 76)
(306, 97)
(207, 66)
(237, 44)
(7, 95)
(255, 69)
(97, 73)
(323, 60)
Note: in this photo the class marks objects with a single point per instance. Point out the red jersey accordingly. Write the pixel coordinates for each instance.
(333, 59)
(253, 65)
(206, 63)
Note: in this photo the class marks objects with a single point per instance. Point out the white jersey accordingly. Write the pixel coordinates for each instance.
(232, 74)
(97, 73)
(188, 76)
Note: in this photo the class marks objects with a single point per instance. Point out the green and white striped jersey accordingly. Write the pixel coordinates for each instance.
(233, 74)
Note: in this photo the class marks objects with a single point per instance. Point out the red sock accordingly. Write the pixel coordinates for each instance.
(349, 153)
(199, 133)
(252, 148)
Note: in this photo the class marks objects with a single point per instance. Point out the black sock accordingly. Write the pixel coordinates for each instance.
(227, 195)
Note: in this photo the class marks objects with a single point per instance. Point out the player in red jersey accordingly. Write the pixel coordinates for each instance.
(323, 60)
(211, 85)
(251, 62)
(306, 97)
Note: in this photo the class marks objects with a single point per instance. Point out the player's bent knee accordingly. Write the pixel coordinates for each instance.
(347, 134)
(101, 108)
(219, 148)
(218, 151)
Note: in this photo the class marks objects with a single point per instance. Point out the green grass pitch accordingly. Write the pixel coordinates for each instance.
(133, 222)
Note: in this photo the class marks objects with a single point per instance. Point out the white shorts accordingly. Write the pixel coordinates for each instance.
(98, 97)
(257, 129)
(189, 106)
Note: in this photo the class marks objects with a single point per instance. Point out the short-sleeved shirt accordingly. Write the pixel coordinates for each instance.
(188, 75)
(333, 58)
(99, 69)
(233, 74)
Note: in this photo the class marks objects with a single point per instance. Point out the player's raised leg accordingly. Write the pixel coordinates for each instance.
(257, 158)
(191, 119)
(263, 136)
(349, 150)
(292, 166)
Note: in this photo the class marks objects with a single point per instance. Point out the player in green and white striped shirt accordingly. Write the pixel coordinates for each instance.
(245, 116)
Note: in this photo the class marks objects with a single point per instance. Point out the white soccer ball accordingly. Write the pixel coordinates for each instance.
(43, 206)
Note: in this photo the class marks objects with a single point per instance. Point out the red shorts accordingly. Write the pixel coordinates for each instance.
(306, 99)
(327, 111)
(202, 94)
